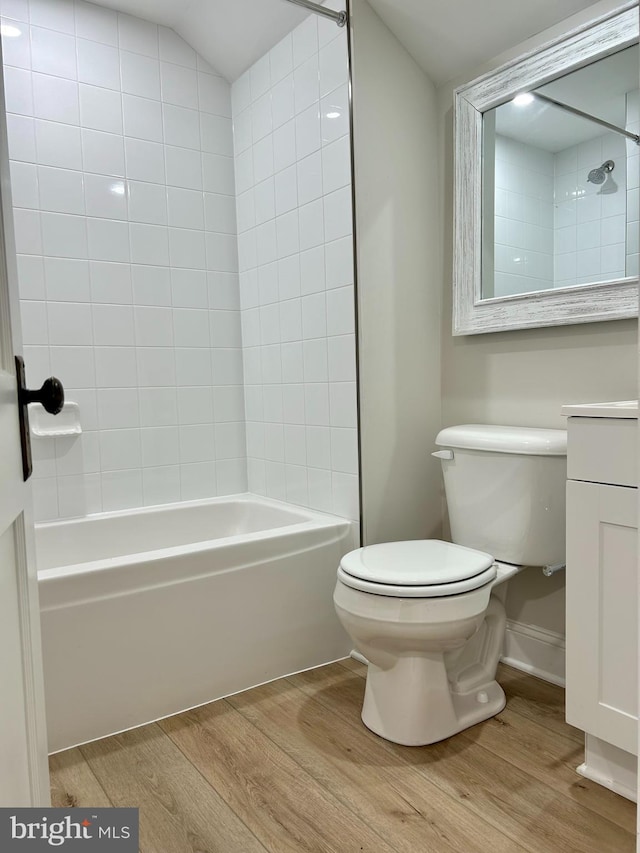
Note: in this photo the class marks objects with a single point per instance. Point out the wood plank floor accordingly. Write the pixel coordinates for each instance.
(290, 768)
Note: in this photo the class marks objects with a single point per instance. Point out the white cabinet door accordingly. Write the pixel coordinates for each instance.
(602, 595)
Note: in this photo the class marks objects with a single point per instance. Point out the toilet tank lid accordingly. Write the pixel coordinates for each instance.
(525, 441)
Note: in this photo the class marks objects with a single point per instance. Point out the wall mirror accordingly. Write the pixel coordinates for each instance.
(546, 197)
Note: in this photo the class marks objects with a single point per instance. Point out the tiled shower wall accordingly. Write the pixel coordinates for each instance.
(293, 183)
(633, 184)
(524, 236)
(123, 186)
(590, 226)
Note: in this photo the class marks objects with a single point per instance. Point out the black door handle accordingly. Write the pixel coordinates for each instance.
(51, 398)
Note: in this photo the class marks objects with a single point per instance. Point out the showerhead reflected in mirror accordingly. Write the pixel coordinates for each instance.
(560, 182)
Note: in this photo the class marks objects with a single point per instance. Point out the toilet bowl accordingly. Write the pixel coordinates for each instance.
(427, 614)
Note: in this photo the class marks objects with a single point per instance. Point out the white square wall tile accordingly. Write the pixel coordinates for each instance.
(61, 190)
(110, 282)
(63, 236)
(175, 49)
(160, 446)
(342, 358)
(337, 214)
(151, 285)
(153, 326)
(105, 197)
(98, 64)
(340, 311)
(260, 77)
(144, 161)
(55, 99)
(149, 244)
(102, 153)
(305, 40)
(18, 91)
(336, 165)
(16, 49)
(142, 118)
(334, 66)
(189, 288)
(314, 316)
(121, 489)
(147, 203)
(53, 53)
(137, 35)
(281, 59)
(220, 213)
(334, 110)
(218, 174)
(28, 234)
(263, 159)
(24, 185)
(312, 227)
(282, 101)
(96, 23)
(113, 325)
(108, 240)
(214, 95)
(184, 168)
(185, 207)
(309, 172)
(343, 403)
(69, 324)
(286, 190)
(22, 138)
(306, 84)
(187, 248)
(181, 126)
(312, 271)
(284, 146)
(308, 137)
(179, 85)
(140, 75)
(216, 134)
(100, 109)
(58, 145)
(53, 14)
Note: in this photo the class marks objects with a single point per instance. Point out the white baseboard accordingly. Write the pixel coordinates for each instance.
(536, 651)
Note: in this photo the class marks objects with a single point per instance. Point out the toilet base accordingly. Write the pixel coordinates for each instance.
(412, 704)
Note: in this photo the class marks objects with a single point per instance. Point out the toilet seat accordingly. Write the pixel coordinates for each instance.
(427, 568)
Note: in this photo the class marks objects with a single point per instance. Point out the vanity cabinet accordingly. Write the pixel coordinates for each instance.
(602, 593)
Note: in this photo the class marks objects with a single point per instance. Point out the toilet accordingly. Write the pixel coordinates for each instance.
(428, 615)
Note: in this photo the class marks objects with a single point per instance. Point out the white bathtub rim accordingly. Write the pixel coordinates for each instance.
(240, 497)
(86, 570)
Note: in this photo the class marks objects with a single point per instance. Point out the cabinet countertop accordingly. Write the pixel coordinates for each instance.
(618, 409)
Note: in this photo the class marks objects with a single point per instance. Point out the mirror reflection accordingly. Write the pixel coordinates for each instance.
(560, 182)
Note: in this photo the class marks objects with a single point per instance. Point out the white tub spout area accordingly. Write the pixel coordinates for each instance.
(146, 613)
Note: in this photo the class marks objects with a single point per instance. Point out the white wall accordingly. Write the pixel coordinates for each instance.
(524, 377)
(398, 229)
(293, 181)
(122, 177)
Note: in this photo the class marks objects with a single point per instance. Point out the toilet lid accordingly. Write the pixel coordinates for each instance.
(409, 591)
(422, 562)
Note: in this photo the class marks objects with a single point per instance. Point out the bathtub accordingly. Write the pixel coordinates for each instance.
(148, 612)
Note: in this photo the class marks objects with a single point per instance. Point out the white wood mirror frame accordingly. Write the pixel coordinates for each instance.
(611, 300)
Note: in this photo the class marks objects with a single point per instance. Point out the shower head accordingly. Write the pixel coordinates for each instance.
(599, 175)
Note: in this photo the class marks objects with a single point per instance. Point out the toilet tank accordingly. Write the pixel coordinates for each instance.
(505, 489)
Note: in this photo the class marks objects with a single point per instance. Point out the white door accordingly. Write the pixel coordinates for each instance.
(24, 778)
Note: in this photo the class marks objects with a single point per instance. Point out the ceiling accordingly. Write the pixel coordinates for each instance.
(445, 37)
(598, 89)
